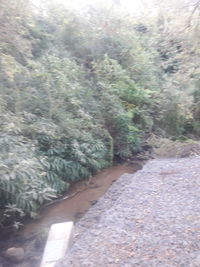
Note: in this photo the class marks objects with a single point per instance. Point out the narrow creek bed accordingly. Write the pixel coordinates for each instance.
(71, 209)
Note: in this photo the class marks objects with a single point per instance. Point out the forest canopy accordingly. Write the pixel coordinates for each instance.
(80, 88)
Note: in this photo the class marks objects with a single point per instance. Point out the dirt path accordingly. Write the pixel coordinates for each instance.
(151, 218)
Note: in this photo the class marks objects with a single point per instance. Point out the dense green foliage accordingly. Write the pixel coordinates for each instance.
(77, 91)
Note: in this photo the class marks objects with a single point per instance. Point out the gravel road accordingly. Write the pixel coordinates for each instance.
(150, 218)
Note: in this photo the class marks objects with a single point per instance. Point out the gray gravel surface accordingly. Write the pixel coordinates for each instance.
(150, 218)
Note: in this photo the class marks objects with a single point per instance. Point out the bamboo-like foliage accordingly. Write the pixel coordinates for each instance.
(73, 160)
(79, 91)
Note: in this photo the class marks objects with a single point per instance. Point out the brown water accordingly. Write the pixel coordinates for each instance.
(83, 195)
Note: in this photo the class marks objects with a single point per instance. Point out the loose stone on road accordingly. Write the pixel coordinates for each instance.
(150, 218)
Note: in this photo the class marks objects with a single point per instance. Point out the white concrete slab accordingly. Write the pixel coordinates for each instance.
(58, 242)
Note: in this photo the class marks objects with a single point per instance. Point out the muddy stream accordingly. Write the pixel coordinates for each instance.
(79, 199)
(82, 196)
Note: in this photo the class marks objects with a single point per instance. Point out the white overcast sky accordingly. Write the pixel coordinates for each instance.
(134, 6)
